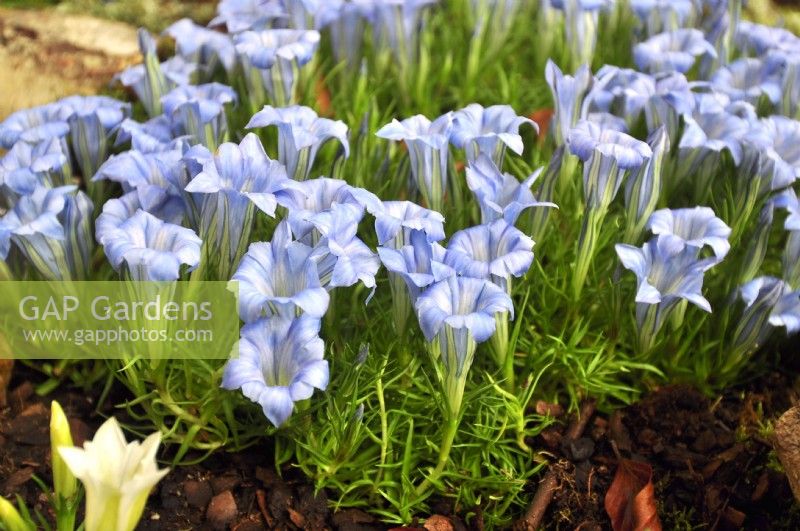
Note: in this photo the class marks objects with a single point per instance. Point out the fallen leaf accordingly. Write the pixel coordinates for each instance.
(630, 501)
(542, 118)
(787, 445)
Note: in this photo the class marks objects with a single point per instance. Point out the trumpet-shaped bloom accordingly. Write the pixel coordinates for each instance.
(117, 476)
(301, 133)
(460, 310)
(272, 59)
(276, 278)
(496, 252)
(149, 137)
(151, 79)
(581, 19)
(667, 270)
(758, 39)
(419, 264)
(694, 227)
(782, 137)
(395, 221)
(762, 297)
(488, 130)
(397, 24)
(748, 79)
(715, 132)
(342, 258)
(568, 94)
(52, 228)
(501, 195)
(675, 51)
(427, 144)
(644, 187)
(198, 111)
(27, 166)
(203, 46)
(280, 362)
(658, 16)
(787, 313)
(152, 200)
(608, 156)
(673, 98)
(40, 123)
(236, 180)
(315, 197)
(146, 248)
(346, 21)
(621, 91)
(242, 15)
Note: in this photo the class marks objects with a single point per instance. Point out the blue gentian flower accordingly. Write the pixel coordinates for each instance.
(501, 195)
(242, 15)
(151, 79)
(236, 180)
(277, 278)
(155, 173)
(620, 91)
(758, 39)
(456, 314)
(51, 227)
(272, 60)
(787, 313)
(581, 18)
(147, 248)
(488, 130)
(762, 296)
(497, 252)
(673, 98)
(644, 187)
(748, 79)
(427, 144)
(28, 166)
(342, 258)
(397, 24)
(782, 149)
(694, 227)
(202, 46)
(395, 221)
(92, 121)
(315, 197)
(788, 201)
(606, 120)
(118, 210)
(675, 51)
(41, 123)
(151, 136)
(568, 94)
(346, 21)
(280, 362)
(198, 112)
(667, 272)
(301, 133)
(713, 133)
(608, 156)
(658, 16)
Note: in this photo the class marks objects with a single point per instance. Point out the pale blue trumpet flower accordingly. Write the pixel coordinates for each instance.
(643, 188)
(500, 195)
(696, 227)
(346, 21)
(118, 210)
(569, 93)
(152, 136)
(675, 51)
(204, 47)
(608, 157)
(151, 79)
(788, 201)
(581, 19)
(198, 112)
(488, 130)
(757, 39)
(52, 229)
(787, 63)
(719, 20)
(672, 99)
(33, 125)
(705, 137)
(607, 120)
(762, 311)
(427, 144)
(236, 181)
(280, 362)
(396, 221)
(748, 79)
(787, 313)
(243, 15)
(28, 166)
(272, 60)
(146, 248)
(455, 315)
(412, 268)
(667, 272)
(780, 137)
(622, 92)
(278, 279)
(342, 258)
(301, 134)
(658, 16)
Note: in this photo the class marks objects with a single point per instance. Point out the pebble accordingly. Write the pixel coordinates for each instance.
(222, 510)
(198, 493)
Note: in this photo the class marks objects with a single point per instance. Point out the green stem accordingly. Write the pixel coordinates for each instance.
(451, 428)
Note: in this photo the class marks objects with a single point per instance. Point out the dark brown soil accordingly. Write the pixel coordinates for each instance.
(713, 467)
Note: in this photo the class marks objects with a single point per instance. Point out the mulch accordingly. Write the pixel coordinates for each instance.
(712, 460)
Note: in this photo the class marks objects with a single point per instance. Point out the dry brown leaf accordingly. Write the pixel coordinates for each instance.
(542, 118)
(630, 501)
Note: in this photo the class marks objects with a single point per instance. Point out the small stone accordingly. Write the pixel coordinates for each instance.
(438, 522)
(155, 516)
(297, 519)
(222, 510)
(198, 493)
(550, 410)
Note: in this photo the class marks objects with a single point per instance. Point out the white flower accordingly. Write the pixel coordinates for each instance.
(117, 476)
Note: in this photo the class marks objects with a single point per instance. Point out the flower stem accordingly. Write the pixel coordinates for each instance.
(450, 430)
